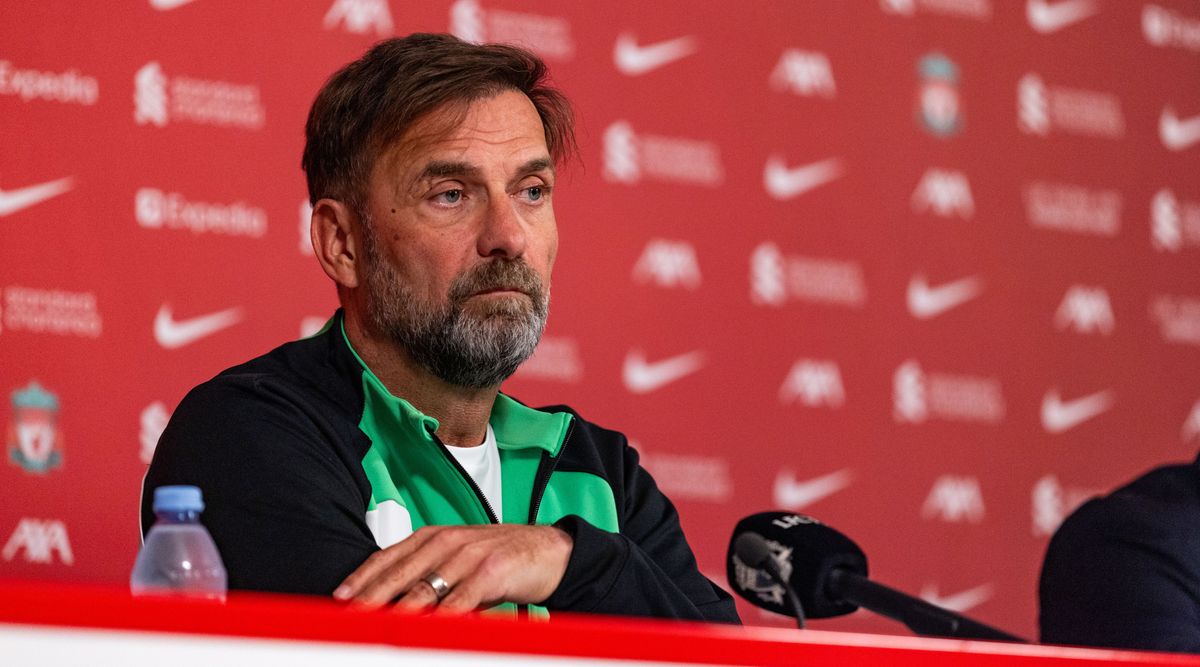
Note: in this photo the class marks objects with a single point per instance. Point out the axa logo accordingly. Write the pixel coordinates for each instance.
(939, 108)
(153, 420)
(945, 193)
(804, 73)
(813, 383)
(35, 442)
(667, 263)
(954, 499)
(360, 17)
(40, 540)
(1087, 310)
(634, 59)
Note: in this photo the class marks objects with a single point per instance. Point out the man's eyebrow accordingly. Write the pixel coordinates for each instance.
(538, 164)
(442, 168)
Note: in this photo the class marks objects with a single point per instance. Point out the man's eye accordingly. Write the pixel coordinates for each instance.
(451, 196)
(535, 193)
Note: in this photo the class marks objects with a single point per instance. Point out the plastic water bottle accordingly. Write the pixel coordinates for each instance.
(179, 557)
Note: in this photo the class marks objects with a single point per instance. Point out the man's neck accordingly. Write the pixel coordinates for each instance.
(462, 413)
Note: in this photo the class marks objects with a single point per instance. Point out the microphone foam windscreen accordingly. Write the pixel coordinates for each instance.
(806, 551)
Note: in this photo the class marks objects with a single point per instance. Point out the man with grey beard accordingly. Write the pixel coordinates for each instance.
(378, 461)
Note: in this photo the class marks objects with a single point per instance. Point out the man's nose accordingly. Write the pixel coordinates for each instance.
(503, 232)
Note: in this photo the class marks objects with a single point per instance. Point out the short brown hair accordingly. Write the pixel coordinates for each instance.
(371, 102)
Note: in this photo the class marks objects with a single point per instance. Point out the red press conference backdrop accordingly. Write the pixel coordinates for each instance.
(926, 269)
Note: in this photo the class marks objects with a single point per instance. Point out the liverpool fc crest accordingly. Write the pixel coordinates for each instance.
(34, 442)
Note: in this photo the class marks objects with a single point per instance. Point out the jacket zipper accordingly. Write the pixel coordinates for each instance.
(540, 480)
(462, 472)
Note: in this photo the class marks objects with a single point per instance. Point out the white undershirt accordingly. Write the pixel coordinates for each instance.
(482, 463)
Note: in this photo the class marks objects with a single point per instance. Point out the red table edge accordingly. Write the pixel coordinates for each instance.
(256, 615)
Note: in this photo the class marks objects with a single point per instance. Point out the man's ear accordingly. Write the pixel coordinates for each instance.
(335, 242)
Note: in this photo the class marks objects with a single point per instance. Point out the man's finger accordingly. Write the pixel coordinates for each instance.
(381, 562)
(420, 597)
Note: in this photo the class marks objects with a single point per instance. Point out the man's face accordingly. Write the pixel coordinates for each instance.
(461, 239)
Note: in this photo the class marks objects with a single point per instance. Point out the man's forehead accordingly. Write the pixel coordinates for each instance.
(507, 120)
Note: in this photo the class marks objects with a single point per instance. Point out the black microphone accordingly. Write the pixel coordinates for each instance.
(828, 571)
(754, 553)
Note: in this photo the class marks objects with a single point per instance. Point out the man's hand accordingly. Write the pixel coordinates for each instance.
(484, 566)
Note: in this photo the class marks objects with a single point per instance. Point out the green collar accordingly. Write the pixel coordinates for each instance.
(517, 426)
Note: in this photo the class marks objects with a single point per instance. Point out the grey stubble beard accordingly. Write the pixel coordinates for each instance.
(476, 347)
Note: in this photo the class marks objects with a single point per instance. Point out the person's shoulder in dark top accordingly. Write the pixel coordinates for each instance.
(1123, 571)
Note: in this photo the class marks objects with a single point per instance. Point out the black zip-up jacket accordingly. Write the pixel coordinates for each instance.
(308, 465)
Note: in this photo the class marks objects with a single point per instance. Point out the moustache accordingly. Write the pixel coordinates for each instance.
(497, 275)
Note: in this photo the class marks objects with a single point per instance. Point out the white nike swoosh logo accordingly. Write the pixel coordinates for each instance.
(1047, 17)
(958, 602)
(12, 201)
(642, 376)
(1178, 133)
(171, 333)
(793, 495)
(168, 5)
(925, 301)
(1059, 416)
(784, 183)
(633, 60)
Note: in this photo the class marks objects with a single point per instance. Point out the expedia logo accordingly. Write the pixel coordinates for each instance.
(156, 209)
(69, 87)
(34, 441)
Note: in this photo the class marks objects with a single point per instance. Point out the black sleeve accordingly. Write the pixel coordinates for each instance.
(281, 503)
(1120, 574)
(645, 570)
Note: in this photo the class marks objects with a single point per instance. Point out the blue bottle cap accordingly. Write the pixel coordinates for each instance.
(180, 498)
